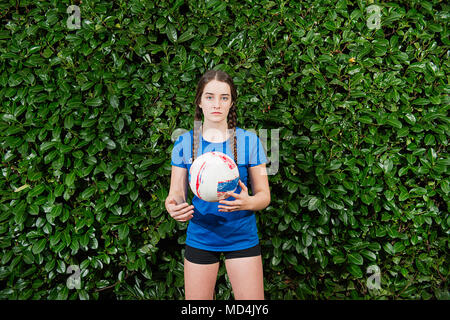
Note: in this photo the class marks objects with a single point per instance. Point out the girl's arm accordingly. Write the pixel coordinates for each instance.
(178, 185)
(176, 203)
(260, 187)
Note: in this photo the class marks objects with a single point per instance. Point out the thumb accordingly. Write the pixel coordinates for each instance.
(243, 186)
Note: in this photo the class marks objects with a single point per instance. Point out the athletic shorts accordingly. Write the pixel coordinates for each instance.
(201, 256)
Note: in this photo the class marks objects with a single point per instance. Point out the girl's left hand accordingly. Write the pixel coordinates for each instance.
(242, 202)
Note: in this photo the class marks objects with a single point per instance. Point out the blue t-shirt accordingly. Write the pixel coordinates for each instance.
(210, 229)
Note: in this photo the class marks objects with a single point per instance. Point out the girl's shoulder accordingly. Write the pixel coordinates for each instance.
(186, 134)
(243, 133)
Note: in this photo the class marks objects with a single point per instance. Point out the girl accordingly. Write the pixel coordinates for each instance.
(227, 226)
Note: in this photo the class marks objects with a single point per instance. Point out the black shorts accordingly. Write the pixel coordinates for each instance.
(201, 256)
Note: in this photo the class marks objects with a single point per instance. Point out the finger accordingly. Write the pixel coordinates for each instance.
(184, 208)
(175, 213)
(185, 217)
(174, 207)
(226, 204)
(181, 206)
(232, 194)
(233, 205)
(243, 186)
(228, 209)
(178, 213)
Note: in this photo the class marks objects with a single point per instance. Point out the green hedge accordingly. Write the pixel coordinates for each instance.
(86, 123)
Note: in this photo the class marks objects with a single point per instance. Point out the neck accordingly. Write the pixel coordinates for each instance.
(215, 132)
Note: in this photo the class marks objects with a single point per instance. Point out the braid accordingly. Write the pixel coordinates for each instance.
(197, 122)
(232, 123)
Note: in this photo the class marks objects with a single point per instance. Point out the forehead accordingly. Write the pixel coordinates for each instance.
(217, 87)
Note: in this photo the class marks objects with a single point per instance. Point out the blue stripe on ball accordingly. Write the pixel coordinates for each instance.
(225, 186)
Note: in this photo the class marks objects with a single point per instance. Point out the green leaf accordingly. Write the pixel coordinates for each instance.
(418, 191)
(210, 41)
(410, 118)
(313, 204)
(291, 258)
(296, 225)
(367, 198)
(69, 122)
(123, 231)
(399, 247)
(112, 199)
(429, 140)
(421, 101)
(50, 265)
(355, 270)
(187, 35)
(89, 192)
(389, 248)
(56, 211)
(93, 102)
(114, 101)
(369, 255)
(276, 241)
(306, 239)
(339, 258)
(414, 239)
(389, 194)
(292, 187)
(403, 194)
(276, 260)
(365, 119)
(330, 25)
(334, 205)
(421, 266)
(293, 206)
(355, 258)
(171, 32)
(39, 246)
(161, 22)
(395, 123)
(70, 178)
(134, 195)
(445, 186)
(37, 190)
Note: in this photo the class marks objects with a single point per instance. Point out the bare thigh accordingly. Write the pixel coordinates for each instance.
(246, 277)
(200, 280)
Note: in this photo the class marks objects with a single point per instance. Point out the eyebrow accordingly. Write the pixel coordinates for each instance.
(223, 94)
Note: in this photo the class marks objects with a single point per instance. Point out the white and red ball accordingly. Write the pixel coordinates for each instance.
(212, 174)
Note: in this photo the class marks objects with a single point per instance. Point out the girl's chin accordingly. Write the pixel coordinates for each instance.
(216, 119)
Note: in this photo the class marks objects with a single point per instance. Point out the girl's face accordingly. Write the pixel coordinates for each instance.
(216, 101)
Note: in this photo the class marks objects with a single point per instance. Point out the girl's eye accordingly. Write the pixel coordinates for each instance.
(225, 98)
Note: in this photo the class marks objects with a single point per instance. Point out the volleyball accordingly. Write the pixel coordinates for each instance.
(212, 175)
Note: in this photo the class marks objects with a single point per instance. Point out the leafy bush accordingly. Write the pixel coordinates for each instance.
(87, 117)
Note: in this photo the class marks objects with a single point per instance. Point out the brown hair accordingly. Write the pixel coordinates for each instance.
(232, 117)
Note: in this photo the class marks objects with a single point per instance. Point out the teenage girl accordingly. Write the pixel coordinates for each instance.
(227, 226)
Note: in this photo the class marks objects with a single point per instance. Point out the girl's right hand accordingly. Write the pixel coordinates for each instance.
(182, 212)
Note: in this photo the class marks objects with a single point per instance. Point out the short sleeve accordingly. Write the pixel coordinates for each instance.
(178, 154)
(257, 152)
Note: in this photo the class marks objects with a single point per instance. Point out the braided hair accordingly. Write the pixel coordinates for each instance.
(232, 116)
